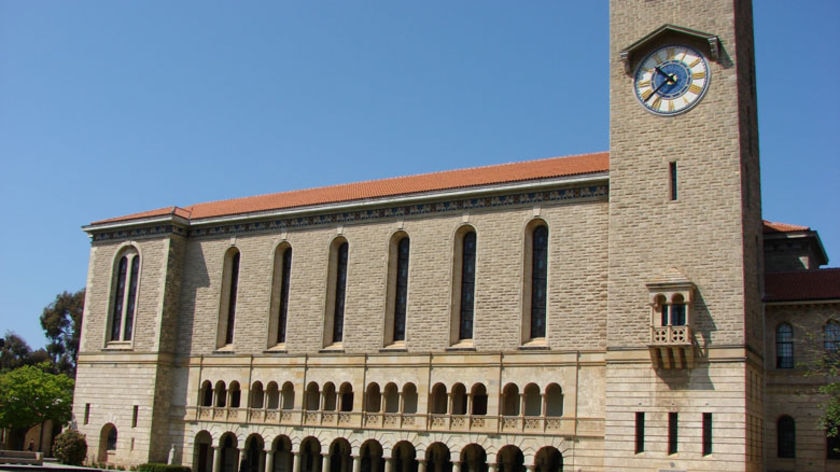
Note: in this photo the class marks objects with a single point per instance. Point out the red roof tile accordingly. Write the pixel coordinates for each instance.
(774, 227)
(806, 285)
(416, 184)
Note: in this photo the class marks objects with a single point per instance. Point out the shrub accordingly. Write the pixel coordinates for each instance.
(70, 447)
(153, 467)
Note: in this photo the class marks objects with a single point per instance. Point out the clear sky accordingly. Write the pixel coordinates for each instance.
(112, 107)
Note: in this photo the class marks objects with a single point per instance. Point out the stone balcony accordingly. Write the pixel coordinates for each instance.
(398, 421)
(671, 347)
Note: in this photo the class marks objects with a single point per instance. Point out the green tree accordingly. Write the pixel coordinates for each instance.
(14, 352)
(30, 395)
(828, 366)
(62, 323)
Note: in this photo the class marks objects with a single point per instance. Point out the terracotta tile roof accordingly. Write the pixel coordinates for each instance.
(415, 184)
(774, 227)
(806, 285)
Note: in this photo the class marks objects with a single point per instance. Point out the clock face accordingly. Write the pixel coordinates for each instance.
(671, 80)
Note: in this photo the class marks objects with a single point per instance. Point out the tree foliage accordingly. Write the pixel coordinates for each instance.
(14, 353)
(30, 395)
(62, 323)
(70, 447)
(828, 365)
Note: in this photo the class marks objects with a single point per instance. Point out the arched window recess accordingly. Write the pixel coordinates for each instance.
(671, 342)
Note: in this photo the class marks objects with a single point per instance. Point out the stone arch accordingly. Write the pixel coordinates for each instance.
(310, 455)
(257, 395)
(409, 394)
(272, 396)
(459, 399)
(473, 458)
(370, 455)
(533, 400)
(345, 397)
(478, 395)
(281, 449)
(404, 457)
(373, 398)
(438, 458)
(253, 460)
(229, 450)
(340, 460)
(329, 395)
(220, 392)
(553, 400)
(438, 401)
(287, 395)
(203, 452)
(510, 459)
(235, 394)
(392, 398)
(312, 397)
(548, 459)
(107, 441)
(205, 395)
(510, 400)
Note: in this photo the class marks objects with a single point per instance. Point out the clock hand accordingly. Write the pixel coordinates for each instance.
(671, 78)
(656, 90)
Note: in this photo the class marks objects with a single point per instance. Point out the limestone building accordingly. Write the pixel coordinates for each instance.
(615, 311)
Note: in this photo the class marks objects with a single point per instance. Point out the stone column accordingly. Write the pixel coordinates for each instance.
(491, 467)
(325, 462)
(421, 465)
(217, 459)
(522, 404)
(456, 466)
(357, 463)
(296, 461)
(269, 460)
(389, 464)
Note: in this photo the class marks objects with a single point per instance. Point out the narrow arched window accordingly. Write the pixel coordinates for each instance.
(786, 437)
(538, 285)
(401, 289)
(334, 317)
(124, 301)
(280, 293)
(230, 287)
(831, 336)
(784, 346)
(467, 285)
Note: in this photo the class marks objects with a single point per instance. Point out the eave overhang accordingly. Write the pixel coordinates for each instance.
(711, 41)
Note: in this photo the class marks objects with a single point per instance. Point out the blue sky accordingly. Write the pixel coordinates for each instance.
(113, 107)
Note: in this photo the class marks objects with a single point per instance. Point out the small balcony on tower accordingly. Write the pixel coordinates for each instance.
(671, 343)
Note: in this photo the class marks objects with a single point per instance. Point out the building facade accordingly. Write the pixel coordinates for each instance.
(610, 311)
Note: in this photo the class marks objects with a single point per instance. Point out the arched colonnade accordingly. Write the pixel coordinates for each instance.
(228, 453)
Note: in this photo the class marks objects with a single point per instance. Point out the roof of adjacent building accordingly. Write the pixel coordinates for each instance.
(541, 169)
(805, 285)
(775, 227)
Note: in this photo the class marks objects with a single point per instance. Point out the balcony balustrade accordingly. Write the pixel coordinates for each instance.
(388, 421)
(671, 347)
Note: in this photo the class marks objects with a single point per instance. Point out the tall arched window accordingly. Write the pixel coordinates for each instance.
(397, 289)
(536, 282)
(334, 317)
(124, 302)
(784, 346)
(464, 286)
(831, 336)
(230, 287)
(280, 294)
(786, 437)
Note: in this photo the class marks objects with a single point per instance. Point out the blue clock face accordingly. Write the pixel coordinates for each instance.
(671, 80)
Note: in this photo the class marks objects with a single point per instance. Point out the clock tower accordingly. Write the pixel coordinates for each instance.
(685, 331)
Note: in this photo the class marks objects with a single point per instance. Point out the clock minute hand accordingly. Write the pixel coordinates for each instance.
(656, 89)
